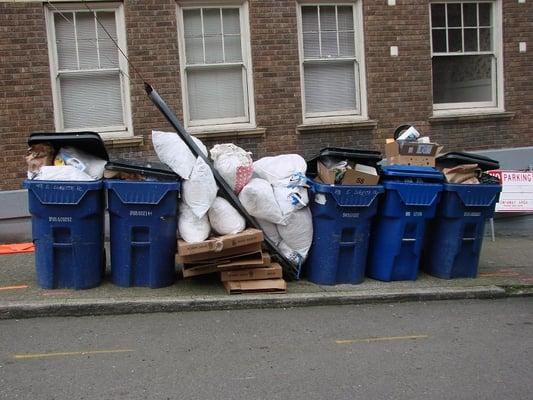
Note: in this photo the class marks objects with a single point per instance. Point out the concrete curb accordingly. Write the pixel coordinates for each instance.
(75, 307)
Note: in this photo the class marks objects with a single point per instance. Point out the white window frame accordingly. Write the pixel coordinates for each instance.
(218, 124)
(497, 105)
(109, 132)
(346, 116)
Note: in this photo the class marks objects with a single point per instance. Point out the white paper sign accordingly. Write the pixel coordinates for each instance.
(517, 191)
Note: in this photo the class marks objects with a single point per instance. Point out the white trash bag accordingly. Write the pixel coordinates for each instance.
(175, 153)
(274, 169)
(258, 199)
(225, 219)
(91, 165)
(234, 164)
(270, 230)
(298, 233)
(60, 173)
(191, 228)
(200, 190)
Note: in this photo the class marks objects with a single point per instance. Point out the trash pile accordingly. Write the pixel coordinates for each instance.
(410, 148)
(467, 168)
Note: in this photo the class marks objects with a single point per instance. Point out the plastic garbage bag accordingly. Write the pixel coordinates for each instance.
(60, 173)
(258, 199)
(173, 151)
(234, 164)
(291, 193)
(200, 190)
(297, 234)
(224, 218)
(274, 169)
(191, 228)
(91, 165)
(270, 230)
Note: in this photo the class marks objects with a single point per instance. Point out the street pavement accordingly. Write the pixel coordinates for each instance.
(462, 349)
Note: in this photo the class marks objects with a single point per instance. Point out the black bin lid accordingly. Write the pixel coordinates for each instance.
(89, 142)
(156, 170)
(366, 157)
(454, 158)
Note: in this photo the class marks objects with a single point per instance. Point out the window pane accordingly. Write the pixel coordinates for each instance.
(485, 40)
(212, 21)
(329, 44)
(216, 93)
(192, 23)
(213, 49)
(439, 40)
(470, 14)
(232, 47)
(310, 19)
(91, 101)
(346, 44)
(470, 39)
(194, 51)
(86, 33)
(437, 15)
(327, 18)
(454, 40)
(484, 14)
(108, 50)
(311, 45)
(454, 14)
(231, 20)
(345, 18)
(458, 79)
(65, 41)
(330, 87)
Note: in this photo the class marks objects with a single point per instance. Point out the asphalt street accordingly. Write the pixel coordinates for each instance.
(478, 349)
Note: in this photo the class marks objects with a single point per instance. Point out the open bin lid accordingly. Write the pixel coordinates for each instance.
(399, 172)
(455, 158)
(89, 142)
(366, 157)
(155, 170)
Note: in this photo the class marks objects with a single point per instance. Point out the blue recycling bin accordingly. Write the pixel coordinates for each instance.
(456, 234)
(410, 200)
(143, 225)
(342, 216)
(68, 233)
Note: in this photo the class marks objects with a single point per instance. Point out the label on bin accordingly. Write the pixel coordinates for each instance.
(350, 215)
(140, 213)
(414, 213)
(472, 214)
(59, 219)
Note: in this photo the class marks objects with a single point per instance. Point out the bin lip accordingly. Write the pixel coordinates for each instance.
(411, 171)
(110, 183)
(327, 187)
(455, 186)
(90, 185)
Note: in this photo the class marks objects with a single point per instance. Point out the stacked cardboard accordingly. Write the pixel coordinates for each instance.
(238, 259)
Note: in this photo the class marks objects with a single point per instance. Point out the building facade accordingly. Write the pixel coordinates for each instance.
(272, 76)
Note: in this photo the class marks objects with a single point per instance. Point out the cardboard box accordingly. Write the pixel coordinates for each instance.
(221, 243)
(214, 258)
(265, 285)
(359, 175)
(256, 260)
(411, 153)
(272, 272)
(199, 270)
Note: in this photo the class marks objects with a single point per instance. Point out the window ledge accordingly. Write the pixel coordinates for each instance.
(474, 117)
(230, 133)
(124, 142)
(363, 124)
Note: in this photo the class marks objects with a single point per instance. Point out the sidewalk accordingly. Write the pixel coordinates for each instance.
(506, 269)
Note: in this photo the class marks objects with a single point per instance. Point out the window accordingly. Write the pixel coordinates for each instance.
(215, 67)
(466, 55)
(89, 76)
(331, 49)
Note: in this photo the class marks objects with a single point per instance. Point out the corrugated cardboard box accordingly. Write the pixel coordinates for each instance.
(411, 153)
(213, 257)
(256, 260)
(271, 272)
(221, 243)
(359, 175)
(265, 285)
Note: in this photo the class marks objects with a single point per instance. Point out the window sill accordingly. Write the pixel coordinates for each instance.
(444, 118)
(361, 124)
(133, 141)
(229, 134)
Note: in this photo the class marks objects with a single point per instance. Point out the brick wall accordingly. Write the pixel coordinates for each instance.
(399, 88)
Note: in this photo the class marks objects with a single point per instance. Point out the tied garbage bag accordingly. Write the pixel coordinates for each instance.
(270, 230)
(191, 228)
(297, 234)
(61, 173)
(91, 165)
(234, 164)
(274, 169)
(173, 151)
(200, 190)
(291, 193)
(224, 218)
(257, 197)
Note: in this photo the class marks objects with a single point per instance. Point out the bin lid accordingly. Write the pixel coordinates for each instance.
(156, 170)
(366, 157)
(89, 142)
(455, 158)
(413, 172)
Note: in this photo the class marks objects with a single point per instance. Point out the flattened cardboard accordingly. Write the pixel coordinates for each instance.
(360, 175)
(264, 285)
(411, 153)
(247, 262)
(217, 257)
(272, 272)
(199, 270)
(221, 243)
